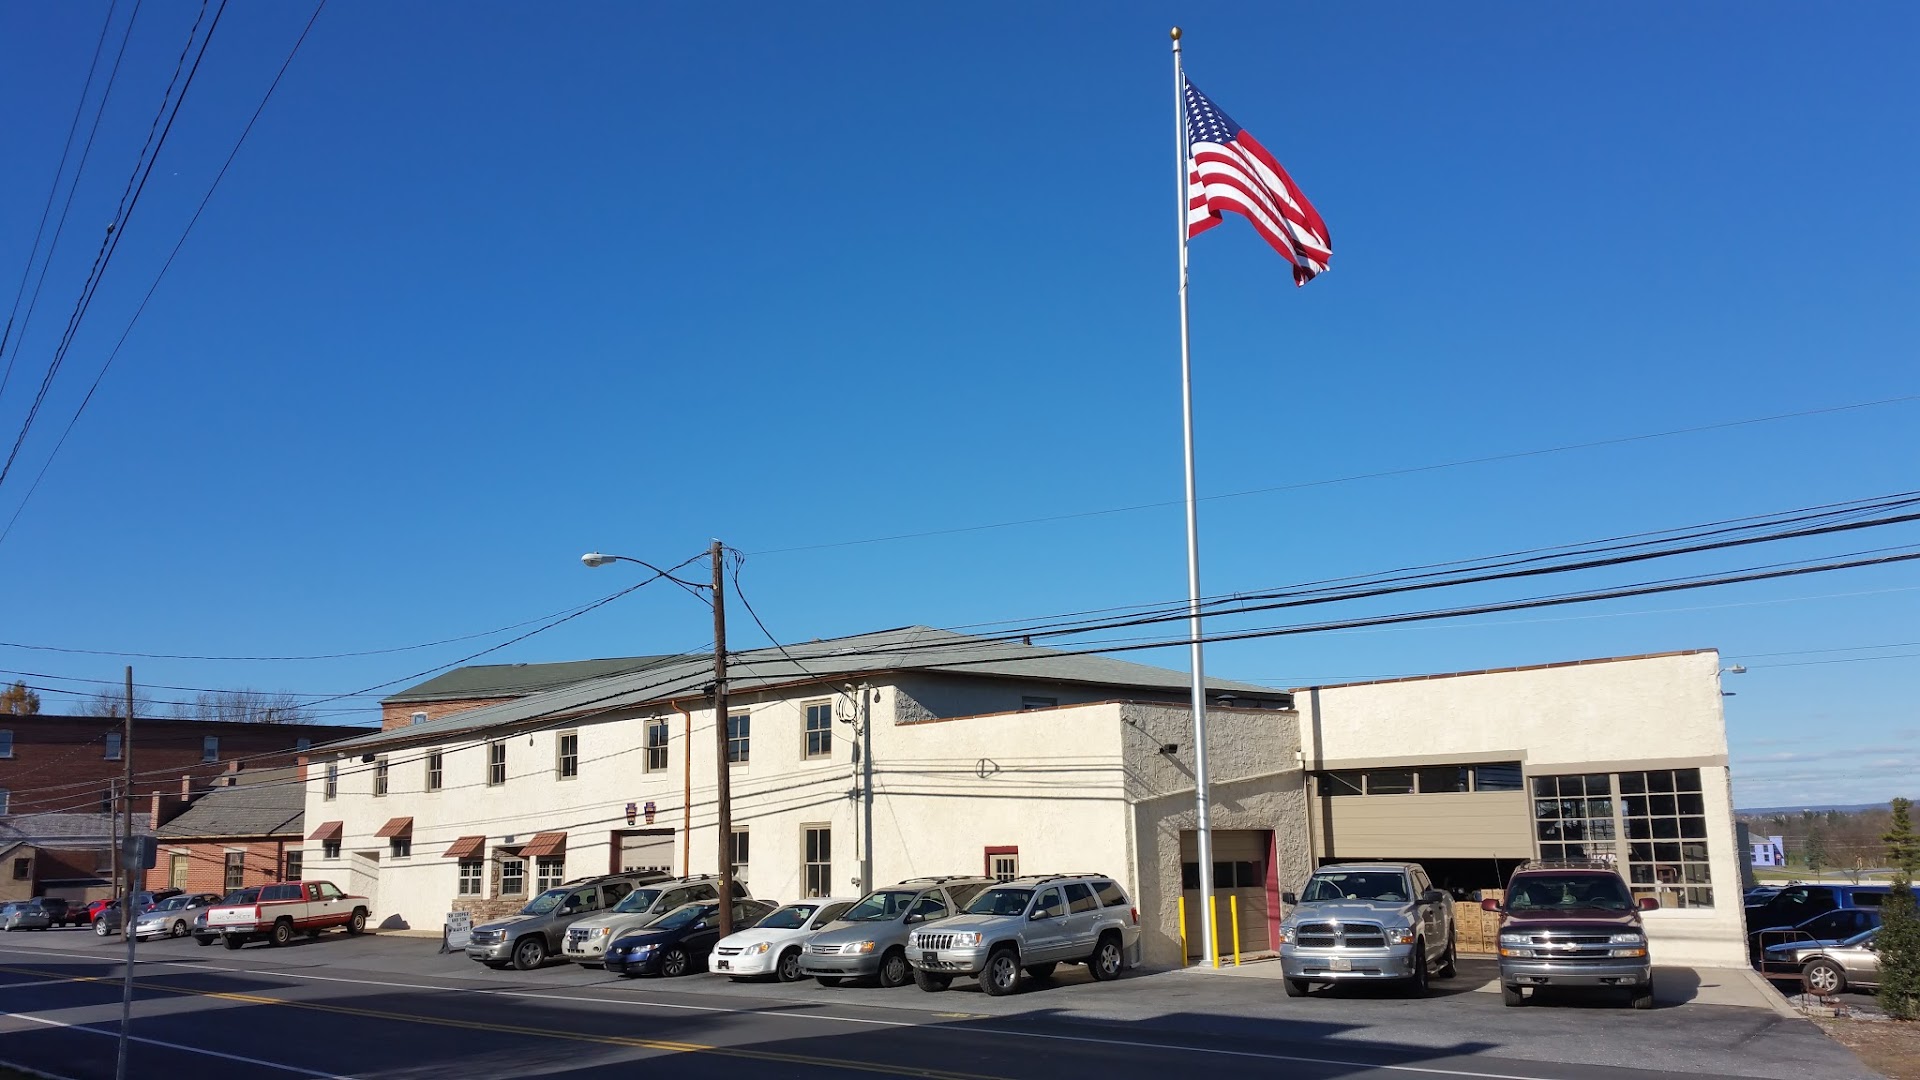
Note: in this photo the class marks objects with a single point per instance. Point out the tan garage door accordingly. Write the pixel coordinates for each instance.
(1240, 861)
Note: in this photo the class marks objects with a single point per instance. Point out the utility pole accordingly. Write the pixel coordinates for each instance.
(127, 891)
(723, 785)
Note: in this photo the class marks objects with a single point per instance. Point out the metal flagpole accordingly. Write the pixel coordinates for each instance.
(1203, 830)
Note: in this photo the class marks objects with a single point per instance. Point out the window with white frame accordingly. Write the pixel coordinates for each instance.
(435, 770)
(1003, 863)
(549, 872)
(295, 863)
(819, 729)
(740, 849)
(400, 847)
(210, 748)
(817, 845)
(236, 870)
(419, 718)
(380, 778)
(329, 849)
(331, 788)
(496, 764)
(739, 733)
(657, 736)
(513, 875)
(472, 872)
(568, 752)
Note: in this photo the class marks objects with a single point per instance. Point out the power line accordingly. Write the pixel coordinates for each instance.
(161, 276)
(1382, 474)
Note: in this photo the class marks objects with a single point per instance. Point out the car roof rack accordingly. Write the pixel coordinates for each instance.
(939, 880)
(1567, 864)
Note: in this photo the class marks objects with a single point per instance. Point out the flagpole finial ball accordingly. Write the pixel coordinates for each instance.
(1176, 33)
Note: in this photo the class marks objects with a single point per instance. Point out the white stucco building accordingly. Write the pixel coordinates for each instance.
(997, 758)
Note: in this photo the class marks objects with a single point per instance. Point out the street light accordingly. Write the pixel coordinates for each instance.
(723, 787)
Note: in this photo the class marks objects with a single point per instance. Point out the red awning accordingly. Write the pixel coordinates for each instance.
(328, 830)
(400, 826)
(547, 843)
(467, 847)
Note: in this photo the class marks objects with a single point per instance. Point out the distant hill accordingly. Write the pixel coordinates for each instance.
(1845, 808)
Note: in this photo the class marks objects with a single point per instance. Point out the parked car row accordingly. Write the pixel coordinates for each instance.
(649, 924)
(47, 912)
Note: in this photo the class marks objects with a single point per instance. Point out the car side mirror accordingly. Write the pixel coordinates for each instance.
(1490, 904)
(1289, 898)
(1648, 903)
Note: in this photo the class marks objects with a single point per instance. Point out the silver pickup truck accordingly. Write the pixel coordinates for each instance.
(1367, 921)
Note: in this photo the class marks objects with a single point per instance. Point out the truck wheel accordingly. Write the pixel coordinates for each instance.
(282, 933)
(231, 942)
(894, 970)
(1511, 996)
(1001, 976)
(788, 970)
(358, 924)
(1041, 971)
(204, 941)
(1107, 960)
(1447, 969)
(931, 983)
(1298, 987)
(1416, 986)
(1642, 997)
(529, 953)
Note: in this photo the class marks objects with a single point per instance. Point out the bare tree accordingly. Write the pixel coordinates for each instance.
(112, 704)
(246, 706)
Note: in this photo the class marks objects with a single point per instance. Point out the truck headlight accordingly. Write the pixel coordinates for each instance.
(1520, 953)
(1287, 934)
(968, 938)
(1399, 935)
(1514, 939)
(1637, 951)
(1627, 939)
(859, 948)
(756, 949)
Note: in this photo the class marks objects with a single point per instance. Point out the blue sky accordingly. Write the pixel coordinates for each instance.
(490, 288)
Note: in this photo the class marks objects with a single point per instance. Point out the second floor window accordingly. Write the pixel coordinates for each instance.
(401, 847)
(6, 744)
(820, 729)
(434, 770)
(113, 746)
(569, 764)
(496, 763)
(332, 787)
(329, 849)
(380, 778)
(209, 748)
(739, 729)
(656, 745)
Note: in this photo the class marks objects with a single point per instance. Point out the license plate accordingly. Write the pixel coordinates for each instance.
(1340, 963)
(929, 957)
(722, 965)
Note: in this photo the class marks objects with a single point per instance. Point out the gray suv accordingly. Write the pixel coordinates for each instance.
(871, 938)
(526, 940)
(1030, 924)
(587, 940)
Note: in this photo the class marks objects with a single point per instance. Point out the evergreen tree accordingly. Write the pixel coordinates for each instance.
(1898, 941)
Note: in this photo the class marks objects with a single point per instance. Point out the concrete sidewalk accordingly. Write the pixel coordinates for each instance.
(1738, 987)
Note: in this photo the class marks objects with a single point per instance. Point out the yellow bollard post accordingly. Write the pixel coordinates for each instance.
(1233, 912)
(1213, 921)
(1183, 931)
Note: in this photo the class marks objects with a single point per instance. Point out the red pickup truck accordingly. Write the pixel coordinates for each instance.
(283, 910)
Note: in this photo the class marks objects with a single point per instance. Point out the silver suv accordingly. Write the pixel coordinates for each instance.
(1031, 924)
(526, 940)
(587, 940)
(871, 938)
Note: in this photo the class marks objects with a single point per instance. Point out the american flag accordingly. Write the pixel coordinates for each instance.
(1227, 169)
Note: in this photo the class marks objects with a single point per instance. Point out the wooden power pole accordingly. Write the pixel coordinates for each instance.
(723, 786)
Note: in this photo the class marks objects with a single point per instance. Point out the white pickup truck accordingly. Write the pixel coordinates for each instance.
(286, 909)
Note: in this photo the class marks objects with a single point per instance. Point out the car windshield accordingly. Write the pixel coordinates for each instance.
(1604, 891)
(1356, 885)
(637, 901)
(1861, 938)
(545, 902)
(1000, 902)
(244, 896)
(791, 917)
(681, 917)
(880, 907)
(174, 903)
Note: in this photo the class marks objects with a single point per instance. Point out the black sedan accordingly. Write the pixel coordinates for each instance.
(680, 940)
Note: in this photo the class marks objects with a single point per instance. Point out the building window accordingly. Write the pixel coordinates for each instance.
(548, 872)
(1498, 776)
(113, 746)
(329, 849)
(435, 773)
(380, 778)
(236, 870)
(1343, 783)
(22, 869)
(820, 729)
(296, 864)
(740, 848)
(656, 745)
(6, 743)
(471, 871)
(1031, 702)
(1573, 817)
(210, 748)
(496, 764)
(301, 746)
(1665, 818)
(1003, 863)
(106, 801)
(6, 802)
(177, 864)
(1434, 778)
(818, 842)
(401, 847)
(739, 735)
(419, 718)
(513, 876)
(569, 748)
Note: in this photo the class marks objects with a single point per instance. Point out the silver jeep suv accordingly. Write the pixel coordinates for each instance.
(1030, 924)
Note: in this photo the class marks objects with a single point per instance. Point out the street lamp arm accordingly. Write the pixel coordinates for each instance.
(595, 558)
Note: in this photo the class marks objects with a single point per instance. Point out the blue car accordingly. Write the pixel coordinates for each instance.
(679, 941)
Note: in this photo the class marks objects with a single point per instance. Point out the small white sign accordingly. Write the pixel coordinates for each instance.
(459, 931)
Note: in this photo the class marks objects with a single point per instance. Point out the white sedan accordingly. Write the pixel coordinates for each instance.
(772, 946)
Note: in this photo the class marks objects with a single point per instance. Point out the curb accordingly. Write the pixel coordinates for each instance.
(1772, 997)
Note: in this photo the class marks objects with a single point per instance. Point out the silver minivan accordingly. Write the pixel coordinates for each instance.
(871, 938)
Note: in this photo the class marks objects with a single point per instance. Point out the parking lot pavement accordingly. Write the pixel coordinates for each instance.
(373, 1007)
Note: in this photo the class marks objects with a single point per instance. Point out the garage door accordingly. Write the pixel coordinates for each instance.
(648, 849)
(1240, 861)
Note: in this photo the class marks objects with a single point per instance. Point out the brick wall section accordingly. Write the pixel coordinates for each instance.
(59, 763)
(400, 714)
(486, 911)
(207, 862)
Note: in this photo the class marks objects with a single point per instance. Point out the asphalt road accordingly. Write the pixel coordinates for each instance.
(393, 1008)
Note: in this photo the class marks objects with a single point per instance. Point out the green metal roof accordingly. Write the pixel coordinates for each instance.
(516, 680)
